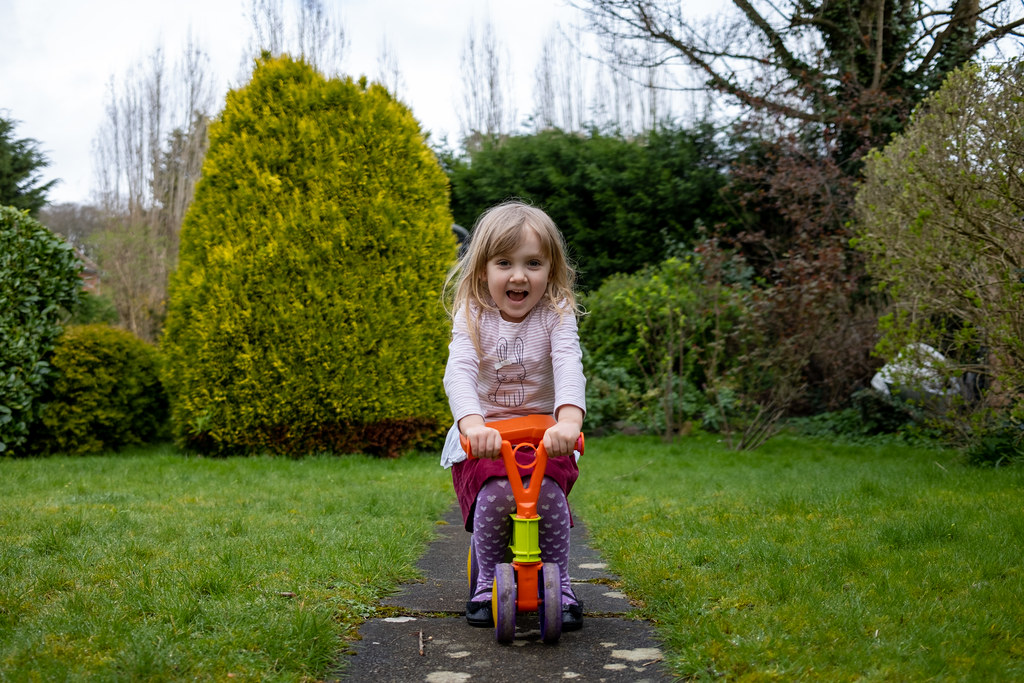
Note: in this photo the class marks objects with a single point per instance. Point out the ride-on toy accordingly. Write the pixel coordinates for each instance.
(526, 584)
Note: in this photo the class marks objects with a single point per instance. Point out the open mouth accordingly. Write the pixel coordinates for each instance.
(516, 295)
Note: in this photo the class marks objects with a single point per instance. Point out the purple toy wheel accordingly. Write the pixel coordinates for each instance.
(551, 604)
(503, 603)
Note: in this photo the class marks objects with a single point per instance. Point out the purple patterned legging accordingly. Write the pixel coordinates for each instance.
(492, 531)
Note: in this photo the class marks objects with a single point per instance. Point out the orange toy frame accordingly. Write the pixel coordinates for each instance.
(519, 587)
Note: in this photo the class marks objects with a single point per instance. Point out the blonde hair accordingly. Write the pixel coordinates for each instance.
(500, 230)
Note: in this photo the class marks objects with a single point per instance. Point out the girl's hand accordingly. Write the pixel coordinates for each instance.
(561, 439)
(484, 442)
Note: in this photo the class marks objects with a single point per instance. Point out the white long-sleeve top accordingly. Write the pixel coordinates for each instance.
(534, 366)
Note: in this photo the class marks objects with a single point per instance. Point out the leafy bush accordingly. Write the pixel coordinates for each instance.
(691, 342)
(940, 221)
(654, 341)
(305, 313)
(794, 201)
(39, 284)
(616, 399)
(107, 395)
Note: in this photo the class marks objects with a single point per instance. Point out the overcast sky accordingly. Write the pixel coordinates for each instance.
(58, 57)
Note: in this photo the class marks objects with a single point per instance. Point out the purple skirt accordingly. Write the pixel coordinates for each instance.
(469, 476)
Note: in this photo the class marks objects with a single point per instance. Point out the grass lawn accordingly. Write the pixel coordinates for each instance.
(809, 560)
(804, 560)
(153, 566)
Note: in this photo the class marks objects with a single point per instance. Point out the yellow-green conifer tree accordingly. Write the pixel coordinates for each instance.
(305, 312)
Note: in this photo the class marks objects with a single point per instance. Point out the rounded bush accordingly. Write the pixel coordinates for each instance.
(305, 313)
(39, 285)
(108, 393)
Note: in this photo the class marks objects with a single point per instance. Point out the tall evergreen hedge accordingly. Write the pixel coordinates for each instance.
(305, 312)
(622, 204)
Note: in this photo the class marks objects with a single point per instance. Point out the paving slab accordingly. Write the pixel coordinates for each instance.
(606, 649)
(425, 636)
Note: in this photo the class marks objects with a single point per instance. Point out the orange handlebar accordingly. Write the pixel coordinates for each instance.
(469, 452)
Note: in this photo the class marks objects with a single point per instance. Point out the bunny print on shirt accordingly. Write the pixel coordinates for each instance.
(510, 375)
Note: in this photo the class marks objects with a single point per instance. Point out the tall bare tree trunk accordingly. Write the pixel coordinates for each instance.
(388, 73)
(149, 154)
(625, 98)
(486, 87)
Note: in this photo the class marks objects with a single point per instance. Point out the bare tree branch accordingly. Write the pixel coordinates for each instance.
(855, 66)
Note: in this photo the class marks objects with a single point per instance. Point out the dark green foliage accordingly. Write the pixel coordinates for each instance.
(616, 401)
(305, 313)
(872, 417)
(1000, 444)
(881, 414)
(39, 284)
(107, 393)
(94, 308)
(20, 162)
(620, 203)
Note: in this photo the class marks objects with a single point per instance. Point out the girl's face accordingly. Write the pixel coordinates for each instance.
(517, 280)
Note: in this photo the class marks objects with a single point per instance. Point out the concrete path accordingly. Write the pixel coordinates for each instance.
(425, 637)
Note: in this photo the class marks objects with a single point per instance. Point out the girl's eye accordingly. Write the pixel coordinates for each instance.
(535, 263)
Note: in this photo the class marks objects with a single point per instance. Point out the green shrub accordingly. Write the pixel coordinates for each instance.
(615, 399)
(305, 313)
(39, 285)
(107, 393)
(653, 339)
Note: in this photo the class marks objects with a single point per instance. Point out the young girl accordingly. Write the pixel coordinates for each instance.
(514, 351)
